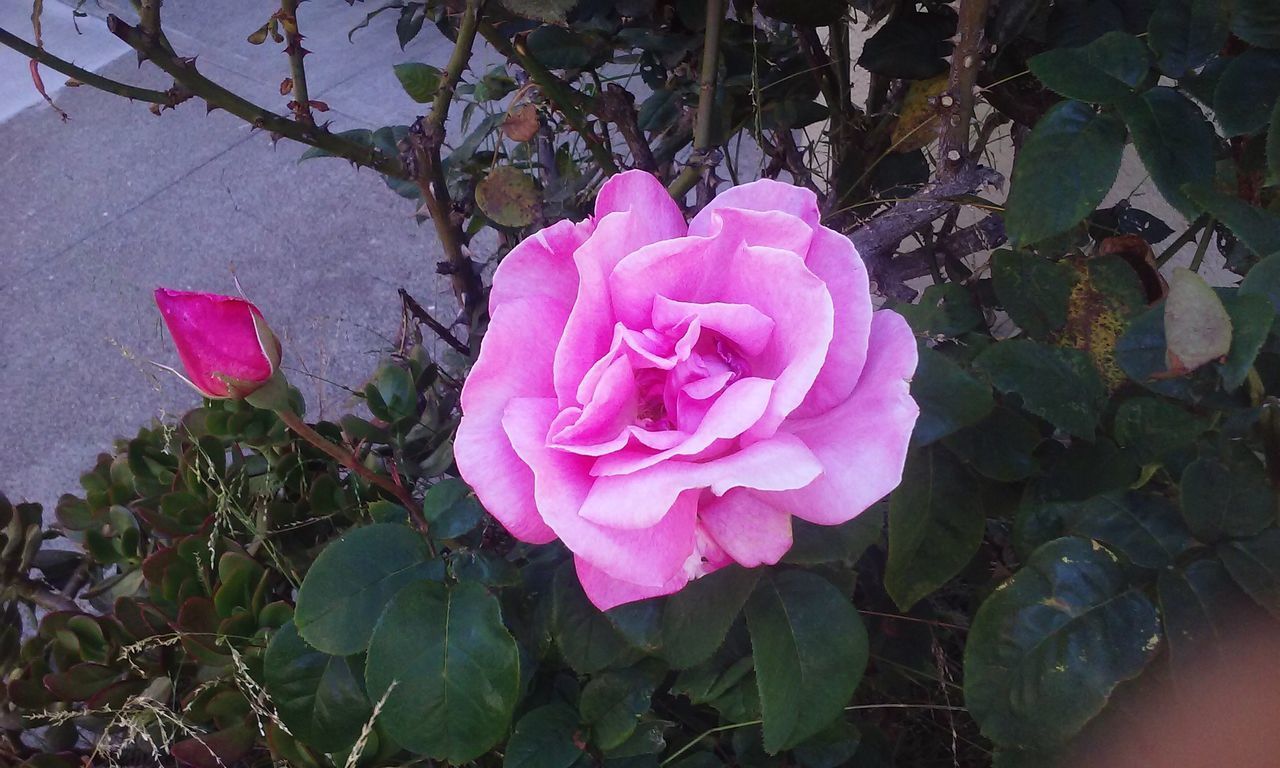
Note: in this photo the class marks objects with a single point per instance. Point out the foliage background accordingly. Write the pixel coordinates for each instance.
(1089, 511)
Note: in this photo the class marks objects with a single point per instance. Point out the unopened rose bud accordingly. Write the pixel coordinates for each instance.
(224, 343)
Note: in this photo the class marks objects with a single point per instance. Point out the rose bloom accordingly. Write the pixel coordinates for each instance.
(664, 398)
(225, 345)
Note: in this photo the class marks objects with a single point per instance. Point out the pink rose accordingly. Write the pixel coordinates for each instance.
(225, 345)
(664, 397)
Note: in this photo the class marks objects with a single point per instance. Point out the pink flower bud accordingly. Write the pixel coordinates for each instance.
(223, 341)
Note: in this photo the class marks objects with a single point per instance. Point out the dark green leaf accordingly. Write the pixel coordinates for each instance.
(1264, 280)
(697, 618)
(446, 669)
(949, 398)
(1197, 604)
(1258, 229)
(813, 544)
(1255, 565)
(1247, 91)
(586, 639)
(544, 738)
(1142, 355)
(1104, 71)
(612, 704)
(1047, 648)
(1000, 446)
(1273, 147)
(1174, 140)
(910, 46)
(559, 48)
(1146, 529)
(318, 696)
(1063, 171)
(352, 580)
(451, 509)
(1059, 385)
(1220, 500)
(1151, 428)
(1185, 33)
(550, 11)
(362, 136)
(1034, 291)
(810, 650)
(1251, 318)
(1257, 22)
(815, 13)
(944, 309)
(936, 521)
(420, 81)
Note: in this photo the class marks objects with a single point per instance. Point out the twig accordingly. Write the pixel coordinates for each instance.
(616, 105)
(1186, 237)
(347, 459)
(436, 326)
(957, 101)
(293, 47)
(980, 236)
(169, 98)
(185, 74)
(1203, 247)
(697, 167)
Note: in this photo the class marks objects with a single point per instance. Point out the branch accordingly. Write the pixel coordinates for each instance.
(185, 74)
(980, 236)
(957, 101)
(418, 311)
(617, 105)
(293, 47)
(169, 98)
(706, 103)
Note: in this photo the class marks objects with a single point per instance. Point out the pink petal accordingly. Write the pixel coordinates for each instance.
(542, 265)
(730, 415)
(217, 338)
(638, 500)
(515, 361)
(748, 528)
(835, 261)
(760, 195)
(642, 194)
(743, 324)
(649, 556)
(861, 443)
(606, 416)
(683, 269)
(605, 592)
(768, 228)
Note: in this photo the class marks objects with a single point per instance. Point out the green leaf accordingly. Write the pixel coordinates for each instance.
(1142, 355)
(949, 398)
(1197, 328)
(586, 639)
(319, 697)
(559, 48)
(1247, 91)
(1144, 528)
(1034, 291)
(813, 544)
(810, 650)
(451, 509)
(944, 309)
(1198, 604)
(936, 521)
(612, 704)
(1251, 319)
(420, 81)
(352, 580)
(696, 620)
(1258, 229)
(1273, 147)
(392, 395)
(1185, 33)
(1257, 22)
(1063, 171)
(1059, 385)
(509, 197)
(1047, 648)
(544, 738)
(1264, 280)
(1152, 428)
(1104, 71)
(1174, 140)
(1001, 446)
(550, 11)
(910, 46)
(1255, 565)
(1220, 500)
(447, 670)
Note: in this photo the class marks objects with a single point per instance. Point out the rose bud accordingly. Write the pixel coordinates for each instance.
(223, 341)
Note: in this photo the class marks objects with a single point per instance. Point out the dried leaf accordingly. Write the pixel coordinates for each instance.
(521, 123)
(286, 86)
(1197, 327)
(509, 197)
(917, 126)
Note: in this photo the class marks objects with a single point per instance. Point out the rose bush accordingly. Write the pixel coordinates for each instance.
(664, 398)
(223, 341)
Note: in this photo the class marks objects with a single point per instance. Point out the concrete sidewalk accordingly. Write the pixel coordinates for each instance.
(97, 211)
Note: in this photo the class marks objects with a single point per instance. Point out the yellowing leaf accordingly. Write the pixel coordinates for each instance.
(917, 126)
(1197, 327)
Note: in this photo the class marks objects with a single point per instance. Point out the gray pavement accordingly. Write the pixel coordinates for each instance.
(97, 211)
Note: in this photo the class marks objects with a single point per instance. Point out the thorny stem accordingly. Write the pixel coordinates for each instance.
(298, 71)
(185, 74)
(1186, 237)
(957, 101)
(169, 98)
(1203, 246)
(423, 316)
(706, 102)
(347, 459)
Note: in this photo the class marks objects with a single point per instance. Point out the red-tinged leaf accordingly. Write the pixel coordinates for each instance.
(216, 750)
(198, 624)
(80, 681)
(286, 86)
(319, 106)
(39, 84)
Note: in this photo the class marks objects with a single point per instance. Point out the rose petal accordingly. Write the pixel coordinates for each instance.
(542, 265)
(638, 500)
(641, 193)
(605, 592)
(647, 556)
(760, 195)
(835, 261)
(515, 361)
(730, 415)
(217, 339)
(752, 531)
(743, 324)
(862, 443)
(611, 410)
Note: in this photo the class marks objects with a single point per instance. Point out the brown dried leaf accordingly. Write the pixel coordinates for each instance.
(286, 86)
(521, 122)
(917, 125)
